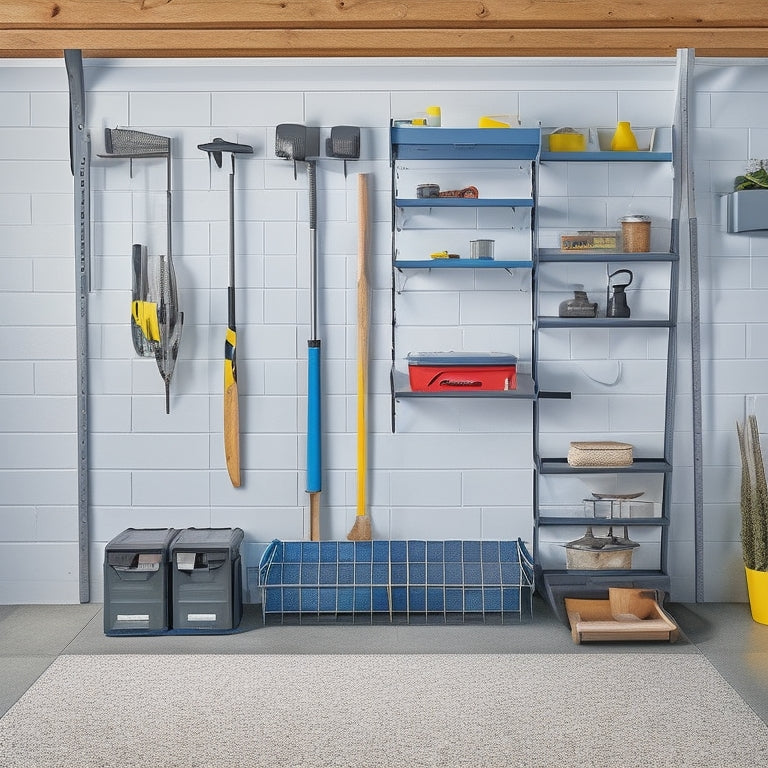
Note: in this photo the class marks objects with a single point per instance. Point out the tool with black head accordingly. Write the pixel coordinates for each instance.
(215, 150)
(301, 144)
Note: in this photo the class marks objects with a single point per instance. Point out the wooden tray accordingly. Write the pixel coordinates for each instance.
(627, 614)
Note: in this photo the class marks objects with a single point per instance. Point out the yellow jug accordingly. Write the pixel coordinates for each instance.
(624, 140)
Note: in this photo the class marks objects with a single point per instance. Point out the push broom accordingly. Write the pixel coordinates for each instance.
(361, 530)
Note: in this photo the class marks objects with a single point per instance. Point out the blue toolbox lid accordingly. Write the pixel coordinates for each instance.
(461, 358)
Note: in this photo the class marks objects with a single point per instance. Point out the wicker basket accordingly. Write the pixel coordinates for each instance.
(607, 453)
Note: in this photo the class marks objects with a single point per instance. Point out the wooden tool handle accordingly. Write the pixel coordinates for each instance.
(232, 433)
(363, 331)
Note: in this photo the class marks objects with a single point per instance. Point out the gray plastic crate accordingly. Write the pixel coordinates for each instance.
(207, 579)
(137, 581)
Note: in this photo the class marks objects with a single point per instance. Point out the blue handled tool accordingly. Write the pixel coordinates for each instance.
(299, 143)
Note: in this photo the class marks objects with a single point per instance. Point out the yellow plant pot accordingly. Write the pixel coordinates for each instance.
(757, 587)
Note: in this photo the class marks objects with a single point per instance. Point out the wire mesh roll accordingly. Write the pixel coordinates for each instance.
(127, 142)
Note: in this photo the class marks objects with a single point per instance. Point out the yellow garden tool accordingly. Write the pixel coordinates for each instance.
(361, 530)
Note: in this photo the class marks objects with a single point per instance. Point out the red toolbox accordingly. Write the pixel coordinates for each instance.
(452, 371)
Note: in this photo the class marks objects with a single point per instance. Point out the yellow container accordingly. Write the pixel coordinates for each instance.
(567, 142)
(757, 587)
(496, 121)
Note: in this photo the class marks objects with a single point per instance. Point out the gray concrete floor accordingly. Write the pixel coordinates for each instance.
(32, 636)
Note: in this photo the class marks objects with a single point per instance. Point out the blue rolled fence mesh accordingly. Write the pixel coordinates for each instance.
(402, 577)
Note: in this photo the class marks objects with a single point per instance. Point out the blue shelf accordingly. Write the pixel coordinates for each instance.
(464, 202)
(424, 143)
(613, 157)
(462, 264)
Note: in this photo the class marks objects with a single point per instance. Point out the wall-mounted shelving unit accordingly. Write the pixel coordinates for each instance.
(502, 163)
(556, 525)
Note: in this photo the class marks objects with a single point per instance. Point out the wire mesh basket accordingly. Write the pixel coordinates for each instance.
(398, 579)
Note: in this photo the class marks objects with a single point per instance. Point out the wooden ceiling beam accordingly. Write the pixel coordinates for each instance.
(268, 28)
(390, 14)
(106, 43)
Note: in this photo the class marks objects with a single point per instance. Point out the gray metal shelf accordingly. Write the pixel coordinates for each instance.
(550, 255)
(562, 467)
(602, 521)
(557, 583)
(600, 322)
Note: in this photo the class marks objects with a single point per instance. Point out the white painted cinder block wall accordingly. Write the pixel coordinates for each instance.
(452, 469)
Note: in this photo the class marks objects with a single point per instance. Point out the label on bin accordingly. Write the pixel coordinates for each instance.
(185, 561)
(148, 562)
(201, 617)
(133, 617)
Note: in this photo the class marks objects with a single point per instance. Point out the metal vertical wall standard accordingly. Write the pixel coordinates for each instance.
(685, 62)
(80, 159)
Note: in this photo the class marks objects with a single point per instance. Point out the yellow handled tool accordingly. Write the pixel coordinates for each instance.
(145, 316)
(361, 530)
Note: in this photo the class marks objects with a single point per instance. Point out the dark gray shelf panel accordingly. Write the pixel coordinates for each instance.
(600, 322)
(613, 573)
(603, 521)
(639, 466)
(555, 255)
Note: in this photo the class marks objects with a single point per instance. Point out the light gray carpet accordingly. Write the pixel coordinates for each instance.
(385, 711)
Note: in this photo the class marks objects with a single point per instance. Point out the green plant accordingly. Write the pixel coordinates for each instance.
(754, 497)
(755, 177)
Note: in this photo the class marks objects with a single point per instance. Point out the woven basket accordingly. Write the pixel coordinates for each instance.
(607, 453)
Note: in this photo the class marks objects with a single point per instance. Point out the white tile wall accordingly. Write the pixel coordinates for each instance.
(454, 468)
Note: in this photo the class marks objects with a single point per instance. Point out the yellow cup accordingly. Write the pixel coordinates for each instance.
(567, 142)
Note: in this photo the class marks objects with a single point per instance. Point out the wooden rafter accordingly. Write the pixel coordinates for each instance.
(269, 28)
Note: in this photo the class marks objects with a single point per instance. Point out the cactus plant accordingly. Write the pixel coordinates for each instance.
(754, 497)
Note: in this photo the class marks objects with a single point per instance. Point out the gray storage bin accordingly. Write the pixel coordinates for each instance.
(137, 581)
(207, 579)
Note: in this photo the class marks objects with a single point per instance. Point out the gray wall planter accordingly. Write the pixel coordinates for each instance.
(746, 210)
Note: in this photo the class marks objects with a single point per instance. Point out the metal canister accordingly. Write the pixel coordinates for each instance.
(428, 190)
(636, 233)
